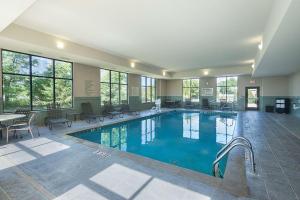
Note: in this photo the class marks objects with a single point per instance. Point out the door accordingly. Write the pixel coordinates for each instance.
(252, 98)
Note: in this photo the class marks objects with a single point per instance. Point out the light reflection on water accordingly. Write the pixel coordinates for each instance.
(186, 139)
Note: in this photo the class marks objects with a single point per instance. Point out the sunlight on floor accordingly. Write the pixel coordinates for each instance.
(121, 180)
(15, 154)
(81, 192)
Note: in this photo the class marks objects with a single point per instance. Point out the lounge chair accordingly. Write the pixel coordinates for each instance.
(55, 116)
(88, 114)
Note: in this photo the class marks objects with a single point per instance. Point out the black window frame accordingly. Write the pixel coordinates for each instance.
(110, 84)
(226, 88)
(146, 87)
(183, 87)
(31, 76)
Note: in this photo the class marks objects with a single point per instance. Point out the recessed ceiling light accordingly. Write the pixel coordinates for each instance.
(60, 45)
(205, 73)
(164, 73)
(132, 64)
(260, 46)
(253, 66)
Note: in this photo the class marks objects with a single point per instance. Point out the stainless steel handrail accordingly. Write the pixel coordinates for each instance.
(233, 140)
(250, 150)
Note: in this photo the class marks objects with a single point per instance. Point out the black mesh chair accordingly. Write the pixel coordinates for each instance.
(88, 113)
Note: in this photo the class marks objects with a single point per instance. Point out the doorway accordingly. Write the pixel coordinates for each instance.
(252, 98)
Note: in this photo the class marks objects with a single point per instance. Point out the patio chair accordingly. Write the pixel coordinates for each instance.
(205, 104)
(55, 116)
(88, 113)
(23, 126)
(188, 104)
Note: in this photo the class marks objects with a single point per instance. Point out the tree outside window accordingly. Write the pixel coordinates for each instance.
(113, 87)
(227, 89)
(191, 90)
(33, 82)
(148, 89)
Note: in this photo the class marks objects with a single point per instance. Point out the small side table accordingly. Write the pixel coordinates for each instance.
(74, 115)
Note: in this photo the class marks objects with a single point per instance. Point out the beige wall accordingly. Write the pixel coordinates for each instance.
(275, 86)
(86, 80)
(134, 85)
(174, 87)
(294, 84)
(247, 81)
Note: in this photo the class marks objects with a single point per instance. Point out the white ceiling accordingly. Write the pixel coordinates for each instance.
(175, 34)
(282, 55)
(11, 9)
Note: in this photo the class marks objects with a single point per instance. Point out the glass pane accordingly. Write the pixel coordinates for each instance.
(186, 94)
(231, 94)
(153, 82)
(143, 81)
(186, 83)
(104, 75)
(16, 92)
(42, 92)
(149, 94)
(143, 94)
(123, 77)
(114, 77)
(195, 94)
(221, 81)
(63, 92)
(42, 66)
(123, 93)
(194, 82)
(153, 94)
(148, 81)
(15, 62)
(63, 69)
(115, 99)
(232, 81)
(104, 93)
(221, 94)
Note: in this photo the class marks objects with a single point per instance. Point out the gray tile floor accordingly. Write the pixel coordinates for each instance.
(55, 166)
(277, 151)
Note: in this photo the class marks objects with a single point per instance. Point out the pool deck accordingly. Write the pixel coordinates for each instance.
(58, 166)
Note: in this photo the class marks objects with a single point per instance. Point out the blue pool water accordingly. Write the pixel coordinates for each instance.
(186, 139)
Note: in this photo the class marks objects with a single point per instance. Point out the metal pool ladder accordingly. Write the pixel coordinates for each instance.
(235, 142)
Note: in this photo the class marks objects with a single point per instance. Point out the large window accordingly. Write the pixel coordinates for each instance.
(33, 82)
(113, 87)
(227, 89)
(191, 90)
(148, 89)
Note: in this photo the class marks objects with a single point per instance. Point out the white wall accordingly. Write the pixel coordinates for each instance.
(275, 86)
(294, 85)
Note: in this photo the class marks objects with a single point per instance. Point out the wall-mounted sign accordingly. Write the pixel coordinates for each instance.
(207, 92)
(90, 88)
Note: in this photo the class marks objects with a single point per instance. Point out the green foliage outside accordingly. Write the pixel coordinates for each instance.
(16, 81)
(113, 87)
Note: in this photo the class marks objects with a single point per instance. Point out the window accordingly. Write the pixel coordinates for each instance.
(148, 89)
(113, 87)
(191, 90)
(32, 82)
(227, 89)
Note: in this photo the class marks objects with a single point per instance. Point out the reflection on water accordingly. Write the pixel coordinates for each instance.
(190, 123)
(189, 140)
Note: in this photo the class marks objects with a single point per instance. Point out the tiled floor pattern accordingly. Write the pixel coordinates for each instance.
(55, 167)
